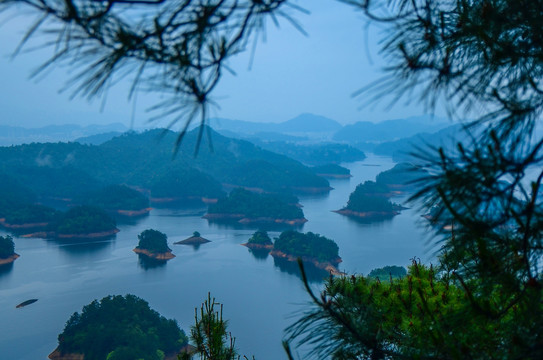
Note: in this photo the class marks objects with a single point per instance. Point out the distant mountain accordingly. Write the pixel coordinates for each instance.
(16, 135)
(388, 130)
(302, 124)
(402, 149)
(309, 123)
(98, 139)
(146, 160)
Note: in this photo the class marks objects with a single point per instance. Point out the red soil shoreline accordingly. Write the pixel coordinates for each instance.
(240, 218)
(367, 214)
(328, 266)
(9, 260)
(157, 256)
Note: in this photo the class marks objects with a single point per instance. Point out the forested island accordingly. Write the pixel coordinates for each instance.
(83, 222)
(119, 328)
(260, 241)
(154, 244)
(312, 248)
(402, 177)
(368, 201)
(7, 250)
(118, 199)
(246, 207)
(387, 273)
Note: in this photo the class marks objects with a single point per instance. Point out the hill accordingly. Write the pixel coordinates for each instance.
(388, 130)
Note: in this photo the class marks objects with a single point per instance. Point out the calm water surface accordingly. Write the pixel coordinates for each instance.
(260, 299)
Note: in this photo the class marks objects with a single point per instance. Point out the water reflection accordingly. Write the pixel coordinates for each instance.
(147, 263)
(313, 273)
(259, 254)
(130, 220)
(5, 269)
(81, 248)
(373, 221)
(267, 226)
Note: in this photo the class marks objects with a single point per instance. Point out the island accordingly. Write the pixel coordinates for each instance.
(333, 171)
(119, 327)
(402, 178)
(368, 202)
(259, 241)
(7, 250)
(83, 222)
(245, 207)
(154, 244)
(388, 272)
(117, 199)
(312, 248)
(195, 239)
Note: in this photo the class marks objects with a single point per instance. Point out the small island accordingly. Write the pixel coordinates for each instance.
(368, 202)
(7, 250)
(332, 171)
(119, 327)
(154, 244)
(388, 272)
(195, 239)
(312, 248)
(259, 241)
(245, 207)
(118, 199)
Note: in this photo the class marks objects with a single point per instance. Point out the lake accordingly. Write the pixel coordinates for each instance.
(260, 299)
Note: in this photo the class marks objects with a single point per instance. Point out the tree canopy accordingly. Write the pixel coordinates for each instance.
(7, 248)
(153, 241)
(120, 327)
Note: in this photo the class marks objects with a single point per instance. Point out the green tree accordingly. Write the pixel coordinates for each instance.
(467, 54)
(154, 241)
(479, 58)
(7, 248)
(210, 334)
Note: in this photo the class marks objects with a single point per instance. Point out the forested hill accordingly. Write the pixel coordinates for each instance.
(143, 159)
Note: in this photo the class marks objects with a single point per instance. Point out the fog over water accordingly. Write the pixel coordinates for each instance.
(260, 299)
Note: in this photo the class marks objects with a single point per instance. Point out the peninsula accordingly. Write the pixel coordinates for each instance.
(118, 199)
(154, 244)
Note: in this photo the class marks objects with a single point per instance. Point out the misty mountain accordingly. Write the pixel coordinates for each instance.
(402, 149)
(143, 160)
(302, 124)
(16, 135)
(98, 139)
(388, 130)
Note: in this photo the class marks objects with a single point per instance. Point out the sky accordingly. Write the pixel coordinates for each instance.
(290, 74)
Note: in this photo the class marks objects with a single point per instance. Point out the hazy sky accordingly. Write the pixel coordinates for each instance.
(291, 74)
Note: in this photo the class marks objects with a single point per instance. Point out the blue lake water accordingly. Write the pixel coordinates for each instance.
(260, 299)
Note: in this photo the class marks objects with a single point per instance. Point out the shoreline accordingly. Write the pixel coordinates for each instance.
(242, 219)
(336, 176)
(367, 214)
(157, 256)
(131, 213)
(22, 226)
(53, 235)
(328, 266)
(10, 259)
(258, 246)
